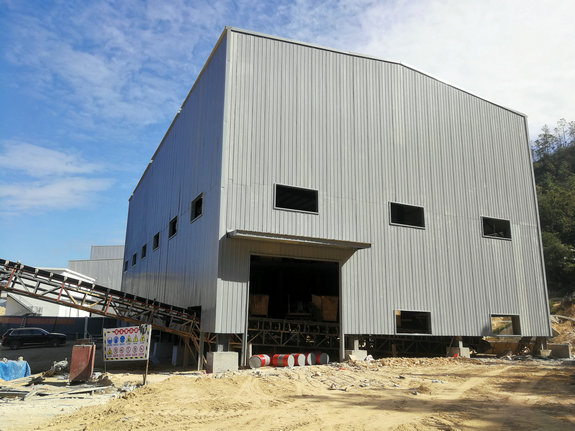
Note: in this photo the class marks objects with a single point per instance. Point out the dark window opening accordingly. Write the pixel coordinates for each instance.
(284, 288)
(125, 266)
(505, 325)
(407, 215)
(134, 257)
(296, 198)
(413, 322)
(197, 207)
(144, 250)
(156, 241)
(173, 227)
(496, 228)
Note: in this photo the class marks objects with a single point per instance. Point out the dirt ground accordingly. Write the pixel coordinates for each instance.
(394, 393)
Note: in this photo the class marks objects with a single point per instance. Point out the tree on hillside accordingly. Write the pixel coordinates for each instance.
(554, 166)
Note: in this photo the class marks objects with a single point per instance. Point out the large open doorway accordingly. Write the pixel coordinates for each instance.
(297, 289)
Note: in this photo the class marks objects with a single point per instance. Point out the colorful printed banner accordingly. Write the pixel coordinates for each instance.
(131, 343)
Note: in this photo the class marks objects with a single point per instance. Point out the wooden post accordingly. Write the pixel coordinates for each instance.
(201, 351)
(147, 329)
(146, 372)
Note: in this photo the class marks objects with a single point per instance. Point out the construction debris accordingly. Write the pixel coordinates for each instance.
(58, 368)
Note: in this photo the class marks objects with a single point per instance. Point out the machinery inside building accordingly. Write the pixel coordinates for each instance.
(284, 288)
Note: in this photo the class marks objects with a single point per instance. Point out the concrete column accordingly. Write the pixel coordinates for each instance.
(355, 353)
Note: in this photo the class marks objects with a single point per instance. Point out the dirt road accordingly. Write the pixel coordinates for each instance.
(397, 394)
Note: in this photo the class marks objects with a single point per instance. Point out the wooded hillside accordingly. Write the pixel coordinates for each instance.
(554, 165)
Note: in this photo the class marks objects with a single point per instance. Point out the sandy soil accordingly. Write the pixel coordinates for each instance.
(395, 393)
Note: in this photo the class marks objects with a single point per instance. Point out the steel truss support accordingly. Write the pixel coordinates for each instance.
(409, 345)
(55, 288)
(290, 333)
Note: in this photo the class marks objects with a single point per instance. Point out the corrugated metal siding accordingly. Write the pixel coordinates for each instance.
(183, 270)
(107, 252)
(107, 272)
(365, 133)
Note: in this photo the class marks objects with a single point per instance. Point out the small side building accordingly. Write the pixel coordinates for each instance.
(19, 305)
(300, 183)
(104, 268)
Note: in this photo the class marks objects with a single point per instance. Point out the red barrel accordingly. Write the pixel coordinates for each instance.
(321, 358)
(310, 359)
(299, 359)
(283, 361)
(258, 361)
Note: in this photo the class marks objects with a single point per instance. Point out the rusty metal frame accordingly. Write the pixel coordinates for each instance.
(55, 288)
(293, 333)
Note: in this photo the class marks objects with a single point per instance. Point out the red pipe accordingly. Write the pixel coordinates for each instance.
(61, 289)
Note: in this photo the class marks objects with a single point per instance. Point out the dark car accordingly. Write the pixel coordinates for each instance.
(17, 337)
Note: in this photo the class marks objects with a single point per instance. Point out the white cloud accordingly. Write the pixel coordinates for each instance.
(38, 162)
(60, 194)
(130, 64)
(517, 52)
(39, 178)
(120, 64)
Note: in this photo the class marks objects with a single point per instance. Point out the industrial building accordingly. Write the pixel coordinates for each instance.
(302, 184)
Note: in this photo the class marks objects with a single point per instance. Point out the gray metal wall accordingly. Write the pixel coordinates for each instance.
(106, 252)
(107, 272)
(364, 133)
(105, 265)
(183, 270)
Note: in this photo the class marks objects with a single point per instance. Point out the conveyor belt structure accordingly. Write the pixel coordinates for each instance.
(32, 282)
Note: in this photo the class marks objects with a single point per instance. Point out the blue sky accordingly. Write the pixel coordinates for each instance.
(88, 88)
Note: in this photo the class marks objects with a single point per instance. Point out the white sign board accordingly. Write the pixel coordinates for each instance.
(131, 343)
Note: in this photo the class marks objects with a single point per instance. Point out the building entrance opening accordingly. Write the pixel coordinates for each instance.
(284, 288)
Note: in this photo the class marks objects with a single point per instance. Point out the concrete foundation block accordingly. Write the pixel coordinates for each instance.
(462, 352)
(562, 350)
(355, 355)
(220, 362)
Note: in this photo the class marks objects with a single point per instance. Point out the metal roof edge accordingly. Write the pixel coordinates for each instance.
(224, 33)
(295, 239)
(96, 260)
